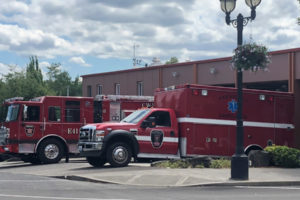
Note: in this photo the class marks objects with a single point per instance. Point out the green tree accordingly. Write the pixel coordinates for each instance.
(60, 82)
(29, 83)
(172, 60)
(11, 85)
(34, 84)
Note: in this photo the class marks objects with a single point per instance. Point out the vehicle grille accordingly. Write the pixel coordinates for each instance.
(87, 135)
(3, 138)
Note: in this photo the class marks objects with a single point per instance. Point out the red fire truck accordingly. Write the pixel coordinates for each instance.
(45, 129)
(188, 121)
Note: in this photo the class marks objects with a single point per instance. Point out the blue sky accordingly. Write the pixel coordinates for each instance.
(94, 36)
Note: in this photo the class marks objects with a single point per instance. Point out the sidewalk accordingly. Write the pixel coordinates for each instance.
(141, 174)
(149, 176)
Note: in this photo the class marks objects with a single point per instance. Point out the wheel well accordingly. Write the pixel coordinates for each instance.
(61, 140)
(252, 147)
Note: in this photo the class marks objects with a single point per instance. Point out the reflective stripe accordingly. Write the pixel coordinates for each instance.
(233, 123)
(148, 139)
(166, 156)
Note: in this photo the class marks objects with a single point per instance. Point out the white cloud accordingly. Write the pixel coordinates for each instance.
(5, 69)
(80, 61)
(108, 29)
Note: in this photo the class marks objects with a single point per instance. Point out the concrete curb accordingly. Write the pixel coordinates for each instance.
(212, 184)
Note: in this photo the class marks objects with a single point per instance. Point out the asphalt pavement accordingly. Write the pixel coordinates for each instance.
(142, 174)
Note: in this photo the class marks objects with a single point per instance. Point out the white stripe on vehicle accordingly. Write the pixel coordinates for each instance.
(152, 155)
(148, 139)
(233, 123)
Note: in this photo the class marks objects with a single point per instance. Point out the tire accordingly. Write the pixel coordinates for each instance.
(251, 157)
(96, 161)
(119, 154)
(259, 158)
(50, 151)
(31, 158)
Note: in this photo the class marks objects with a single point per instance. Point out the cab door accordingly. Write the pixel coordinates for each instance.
(53, 117)
(32, 127)
(159, 140)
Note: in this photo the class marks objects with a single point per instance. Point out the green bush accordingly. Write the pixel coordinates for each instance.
(190, 163)
(284, 156)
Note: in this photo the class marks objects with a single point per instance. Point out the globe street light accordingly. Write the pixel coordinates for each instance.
(239, 161)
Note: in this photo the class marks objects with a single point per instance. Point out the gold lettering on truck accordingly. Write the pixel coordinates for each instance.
(73, 131)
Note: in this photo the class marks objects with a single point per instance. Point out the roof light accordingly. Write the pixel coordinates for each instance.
(204, 92)
(195, 92)
(262, 97)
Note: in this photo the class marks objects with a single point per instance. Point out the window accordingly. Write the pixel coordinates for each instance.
(72, 111)
(140, 88)
(100, 89)
(31, 113)
(89, 90)
(12, 113)
(117, 89)
(54, 114)
(162, 118)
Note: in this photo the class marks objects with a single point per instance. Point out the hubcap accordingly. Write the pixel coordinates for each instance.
(51, 151)
(120, 154)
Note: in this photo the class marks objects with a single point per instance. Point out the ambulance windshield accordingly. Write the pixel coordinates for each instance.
(12, 112)
(136, 116)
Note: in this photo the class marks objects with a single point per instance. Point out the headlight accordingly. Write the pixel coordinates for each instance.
(99, 135)
(7, 133)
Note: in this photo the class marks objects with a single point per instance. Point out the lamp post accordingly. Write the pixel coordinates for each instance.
(239, 161)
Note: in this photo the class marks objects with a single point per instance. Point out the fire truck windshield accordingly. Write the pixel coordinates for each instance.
(12, 112)
(136, 116)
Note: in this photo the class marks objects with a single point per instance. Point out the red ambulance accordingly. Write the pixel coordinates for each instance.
(189, 121)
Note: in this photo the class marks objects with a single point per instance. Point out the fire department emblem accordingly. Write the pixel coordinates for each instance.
(29, 130)
(157, 137)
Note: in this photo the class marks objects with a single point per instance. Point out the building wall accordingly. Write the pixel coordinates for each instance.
(297, 64)
(177, 75)
(127, 80)
(283, 67)
(297, 113)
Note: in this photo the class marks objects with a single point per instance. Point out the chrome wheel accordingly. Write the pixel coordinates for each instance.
(120, 154)
(51, 151)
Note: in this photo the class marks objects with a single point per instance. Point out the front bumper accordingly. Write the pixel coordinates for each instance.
(90, 148)
(5, 149)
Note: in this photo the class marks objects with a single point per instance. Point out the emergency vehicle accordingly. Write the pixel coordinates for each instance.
(189, 121)
(45, 129)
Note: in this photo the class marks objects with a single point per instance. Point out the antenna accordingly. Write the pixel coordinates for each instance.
(135, 60)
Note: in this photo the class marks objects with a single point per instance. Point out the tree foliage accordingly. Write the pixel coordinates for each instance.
(60, 82)
(172, 60)
(30, 83)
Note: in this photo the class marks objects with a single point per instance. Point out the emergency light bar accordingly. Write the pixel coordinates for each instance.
(14, 99)
(127, 97)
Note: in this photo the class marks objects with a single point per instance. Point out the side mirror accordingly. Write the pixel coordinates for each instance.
(150, 122)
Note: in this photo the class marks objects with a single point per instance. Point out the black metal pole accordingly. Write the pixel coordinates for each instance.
(239, 161)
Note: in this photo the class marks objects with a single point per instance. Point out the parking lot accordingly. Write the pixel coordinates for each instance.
(76, 166)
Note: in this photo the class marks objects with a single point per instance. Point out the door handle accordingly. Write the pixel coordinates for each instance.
(172, 134)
